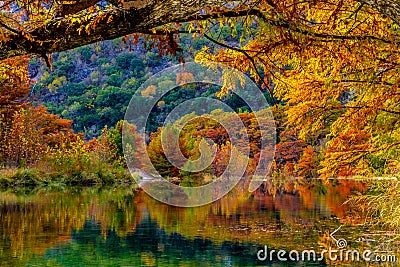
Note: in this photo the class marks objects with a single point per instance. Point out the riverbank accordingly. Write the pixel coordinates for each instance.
(378, 201)
(32, 177)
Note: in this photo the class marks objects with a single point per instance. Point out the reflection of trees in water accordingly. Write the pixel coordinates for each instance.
(149, 245)
(291, 212)
(32, 223)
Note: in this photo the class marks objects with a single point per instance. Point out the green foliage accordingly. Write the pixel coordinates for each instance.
(153, 59)
(86, 52)
(63, 68)
(28, 177)
(34, 177)
(115, 80)
(95, 92)
(115, 138)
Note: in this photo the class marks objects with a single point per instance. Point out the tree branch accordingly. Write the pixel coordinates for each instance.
(140, 16)
(62, 34)
(72, 7)
(359, 108)
(250, 58)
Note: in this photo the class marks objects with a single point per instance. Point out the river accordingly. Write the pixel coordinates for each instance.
(122, 226)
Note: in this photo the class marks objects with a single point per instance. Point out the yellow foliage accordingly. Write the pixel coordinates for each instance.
(335, 65)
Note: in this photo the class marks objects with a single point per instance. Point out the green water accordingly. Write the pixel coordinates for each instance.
(124, 227)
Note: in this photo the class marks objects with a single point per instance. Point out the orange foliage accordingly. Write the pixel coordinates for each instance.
(308, 163)
(346, 154)
(26, 136)
(184, 78)
(288, 152)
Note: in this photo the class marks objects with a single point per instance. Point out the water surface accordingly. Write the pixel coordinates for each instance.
(122, 226)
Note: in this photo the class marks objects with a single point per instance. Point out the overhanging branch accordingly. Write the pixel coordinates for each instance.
(61, 34)
(141, 16)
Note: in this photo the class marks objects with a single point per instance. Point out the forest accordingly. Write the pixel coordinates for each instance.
(329, 71)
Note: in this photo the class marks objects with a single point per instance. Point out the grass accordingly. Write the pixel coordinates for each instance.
(381, 204)
(33, 177)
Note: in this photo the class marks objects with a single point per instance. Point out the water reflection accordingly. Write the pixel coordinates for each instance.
(124, 227)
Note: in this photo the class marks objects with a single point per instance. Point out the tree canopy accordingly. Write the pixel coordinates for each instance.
(333, 66)
(41, 27)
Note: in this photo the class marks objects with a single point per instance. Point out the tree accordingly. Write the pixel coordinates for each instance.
(334, 64)
(14, 86)
(308, 163)
(41, 27)
(158, 158)
(25, 138)
(56, 26)
(347, 154)
(25, 132)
